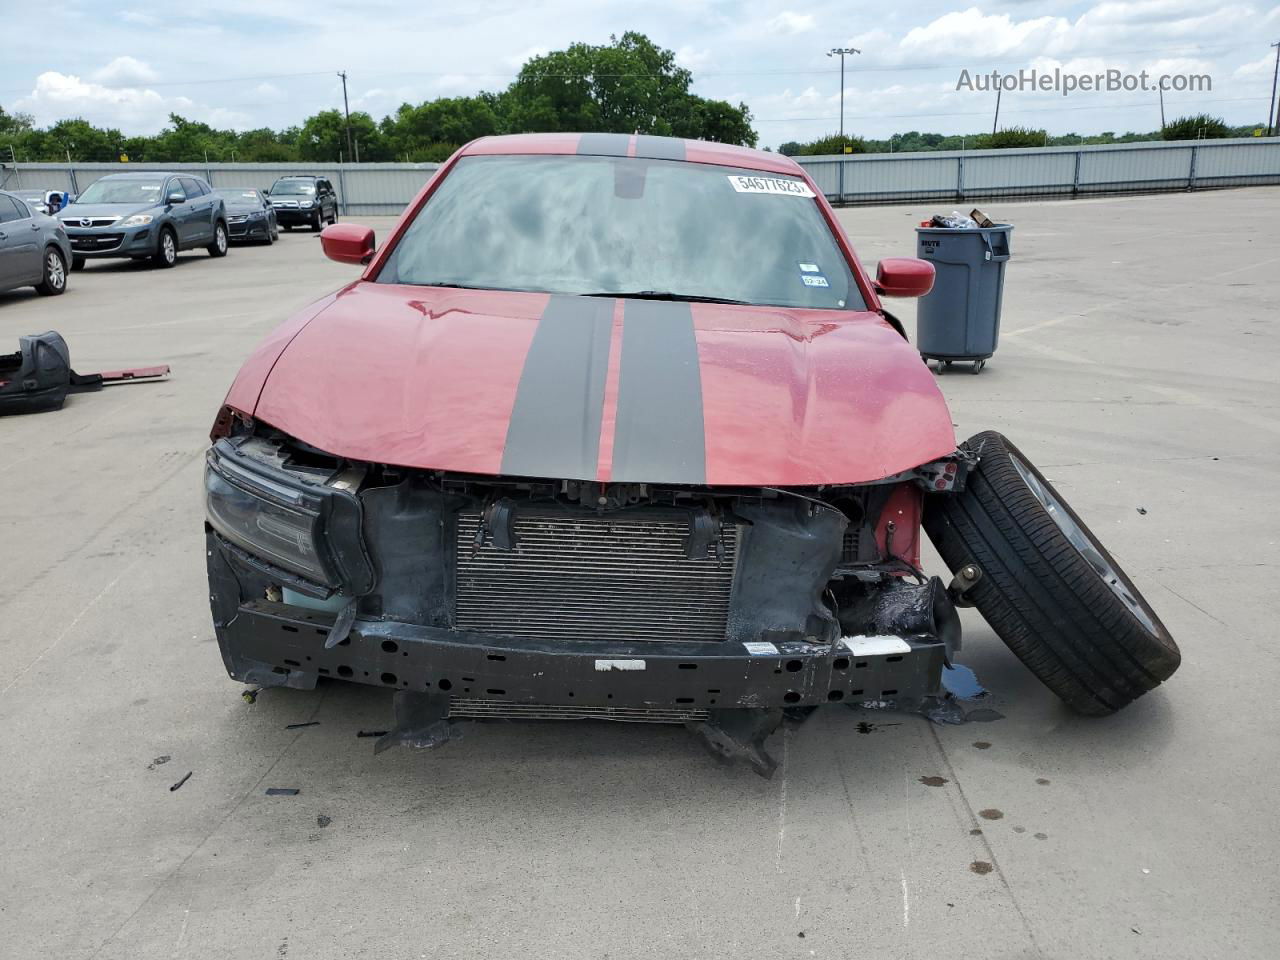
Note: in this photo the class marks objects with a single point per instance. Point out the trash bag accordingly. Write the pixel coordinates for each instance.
(957, 221)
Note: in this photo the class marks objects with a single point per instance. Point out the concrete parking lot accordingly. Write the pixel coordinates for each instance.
(1138, 368)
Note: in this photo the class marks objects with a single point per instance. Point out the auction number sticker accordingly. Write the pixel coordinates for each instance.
(779, 185)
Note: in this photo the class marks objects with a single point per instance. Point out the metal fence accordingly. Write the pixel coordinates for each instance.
(365, 189)
(1047, 171)
(369, 189)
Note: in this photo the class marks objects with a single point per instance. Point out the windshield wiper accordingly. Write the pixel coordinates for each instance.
(665, 295)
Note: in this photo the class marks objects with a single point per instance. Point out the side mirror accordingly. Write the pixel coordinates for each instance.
(904, 277)
(347, 243)
(175, 198)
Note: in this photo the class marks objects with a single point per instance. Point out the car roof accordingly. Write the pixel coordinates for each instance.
(148, 175)
(301, 176)
(632, 145)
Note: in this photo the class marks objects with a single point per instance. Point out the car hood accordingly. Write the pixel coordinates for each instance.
(564, 387)
(74, 210)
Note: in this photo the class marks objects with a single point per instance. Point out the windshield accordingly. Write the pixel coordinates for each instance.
(122, 191)
(292, 188)
(618, 225)
(237, 193)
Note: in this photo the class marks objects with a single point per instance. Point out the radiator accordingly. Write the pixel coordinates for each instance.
(585, 577)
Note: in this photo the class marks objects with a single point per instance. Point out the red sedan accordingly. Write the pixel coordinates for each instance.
(616, 427)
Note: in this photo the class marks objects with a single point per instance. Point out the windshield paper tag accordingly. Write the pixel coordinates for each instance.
(791, 188)
(810, 280)
(760, 649)
(809, 268)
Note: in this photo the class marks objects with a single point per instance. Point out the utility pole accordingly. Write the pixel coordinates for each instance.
(995, 122)
(1162, 109)
(346, 109)
(1273, 116)
(841, 51)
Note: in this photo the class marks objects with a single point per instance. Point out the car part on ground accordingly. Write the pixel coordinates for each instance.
(39, 376)
(1047, 586)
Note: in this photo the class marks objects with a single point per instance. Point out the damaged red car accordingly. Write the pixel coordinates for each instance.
(616, 427)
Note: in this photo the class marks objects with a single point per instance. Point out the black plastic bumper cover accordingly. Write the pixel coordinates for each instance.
(277, 644)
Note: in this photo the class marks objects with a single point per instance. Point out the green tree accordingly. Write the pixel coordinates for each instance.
(433, 130)
(1194, 128)
(834, 143)
(629, 85)
(324, 137)
(1011, 137)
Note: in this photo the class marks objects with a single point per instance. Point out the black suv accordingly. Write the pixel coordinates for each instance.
(304, 201)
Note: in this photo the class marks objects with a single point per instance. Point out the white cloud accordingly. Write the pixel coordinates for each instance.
(691, 58)
(133, 110)
(789, 22)
(517, 60)
(125, 72)
(961, 33)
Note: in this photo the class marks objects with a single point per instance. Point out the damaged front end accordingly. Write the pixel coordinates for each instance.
(482, 597)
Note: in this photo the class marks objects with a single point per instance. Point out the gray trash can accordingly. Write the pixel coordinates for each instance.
(960, 318)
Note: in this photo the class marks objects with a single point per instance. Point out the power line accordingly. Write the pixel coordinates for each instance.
(882, 68)
(983, 113)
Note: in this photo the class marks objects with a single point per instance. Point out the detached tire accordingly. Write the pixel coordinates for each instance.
(1048, 588)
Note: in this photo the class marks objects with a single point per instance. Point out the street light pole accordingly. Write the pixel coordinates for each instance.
(1271, 110)
(841, 51)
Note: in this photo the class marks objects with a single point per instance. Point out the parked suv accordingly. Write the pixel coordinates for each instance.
(145, 216)
(304, 201)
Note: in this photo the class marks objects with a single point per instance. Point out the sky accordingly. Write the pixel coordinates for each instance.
(252, 63)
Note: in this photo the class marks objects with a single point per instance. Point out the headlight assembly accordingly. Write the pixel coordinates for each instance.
(137, 220)
(308, 529)
(305, 203)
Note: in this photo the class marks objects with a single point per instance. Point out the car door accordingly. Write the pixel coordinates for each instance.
(200, 202)
(19, 244)
(332, 200)
(179, 212)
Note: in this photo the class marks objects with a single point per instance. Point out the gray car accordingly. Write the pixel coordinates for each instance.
(145, 216)
(34, 250)
(250, 216)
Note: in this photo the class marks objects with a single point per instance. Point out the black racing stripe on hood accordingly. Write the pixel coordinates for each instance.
(604, 144)
(554, 429)
(659, 435)
(659, 148)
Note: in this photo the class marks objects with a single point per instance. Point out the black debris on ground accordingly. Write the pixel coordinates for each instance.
(181, 782)
(299, 726)
(283, 791)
